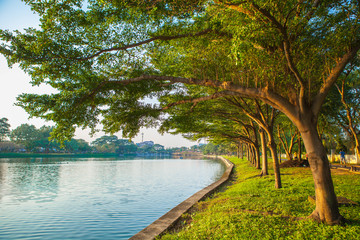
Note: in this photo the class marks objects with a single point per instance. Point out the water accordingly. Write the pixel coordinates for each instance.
(94, 198)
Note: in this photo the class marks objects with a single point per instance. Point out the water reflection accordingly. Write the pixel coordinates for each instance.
(94, 198)
(28, 180)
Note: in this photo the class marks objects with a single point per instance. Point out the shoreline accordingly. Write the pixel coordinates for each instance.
(168, 220)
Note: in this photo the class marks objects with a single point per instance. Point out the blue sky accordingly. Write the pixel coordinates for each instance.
(15, 14)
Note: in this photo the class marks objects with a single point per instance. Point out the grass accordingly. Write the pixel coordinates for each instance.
(251, 208)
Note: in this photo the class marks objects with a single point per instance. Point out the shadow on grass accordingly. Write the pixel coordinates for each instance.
(255, 176)
(352, 222)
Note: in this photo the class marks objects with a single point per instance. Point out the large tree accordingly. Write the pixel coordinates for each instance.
(106, 144)
(107, 57)
(26, 135)
(77, 146)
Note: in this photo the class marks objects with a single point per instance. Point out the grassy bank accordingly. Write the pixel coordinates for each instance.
(252, 209)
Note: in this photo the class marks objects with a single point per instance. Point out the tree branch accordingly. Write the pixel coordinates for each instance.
(197, 100)
(315, 4)
(264, 94)
(333, 76)
(236, 7)
(268, 15)
(125, 47)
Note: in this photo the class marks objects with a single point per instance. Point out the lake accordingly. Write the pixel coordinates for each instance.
(94, 198)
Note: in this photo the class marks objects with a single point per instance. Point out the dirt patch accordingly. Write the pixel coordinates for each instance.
(295, 163)
(340, 171)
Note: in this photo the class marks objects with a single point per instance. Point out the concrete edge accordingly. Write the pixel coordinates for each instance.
(169, 219)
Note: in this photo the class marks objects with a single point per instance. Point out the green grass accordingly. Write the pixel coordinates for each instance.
(252, 208)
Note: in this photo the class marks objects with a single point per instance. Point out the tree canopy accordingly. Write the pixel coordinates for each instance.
(106, 58)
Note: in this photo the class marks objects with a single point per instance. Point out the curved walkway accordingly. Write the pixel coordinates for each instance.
(169, 219)
(349, 168)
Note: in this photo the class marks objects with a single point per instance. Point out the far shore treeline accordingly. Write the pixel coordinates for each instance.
(27, 140)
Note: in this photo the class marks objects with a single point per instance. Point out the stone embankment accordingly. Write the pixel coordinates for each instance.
(170, 218)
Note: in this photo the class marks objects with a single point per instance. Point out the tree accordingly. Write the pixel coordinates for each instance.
(4, 129)
(221, 121)
(126, 146)
(348, 116)
(26, 135)
(287, 136)
(44, 142)
(77, 146)
(106, 59)
(264, 116)
(106, 144)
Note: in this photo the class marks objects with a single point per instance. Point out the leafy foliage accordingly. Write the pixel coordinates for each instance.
(112, 144)
(4, 128)
(38, 140)
(94, 54)
(25, 135)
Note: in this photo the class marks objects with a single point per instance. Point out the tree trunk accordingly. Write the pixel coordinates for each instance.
(349, 117)
(264, 154)
(241, 151)
(289, 155)
(326, 203)
(253, 156)
(357, 151)
(256, 150)
(356, 139)
(287, 146)
(299, 147)
(257, 155)
(272, 147)
(279, 156)
(238, 151)
(248, 152)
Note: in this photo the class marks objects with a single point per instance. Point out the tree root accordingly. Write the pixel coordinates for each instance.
(263, 174)
(338, 221)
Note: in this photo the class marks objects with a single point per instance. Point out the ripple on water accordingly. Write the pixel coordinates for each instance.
(92, 199)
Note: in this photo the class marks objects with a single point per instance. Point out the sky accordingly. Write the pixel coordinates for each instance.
(15, 14)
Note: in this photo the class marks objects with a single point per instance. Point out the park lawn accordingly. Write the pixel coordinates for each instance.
(251, 208)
